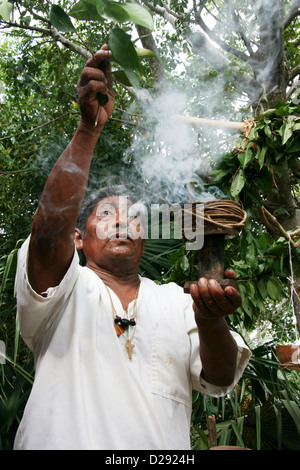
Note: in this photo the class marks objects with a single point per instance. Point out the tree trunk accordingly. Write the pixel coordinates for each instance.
(156, 65)
(280, 202)
(289, 218)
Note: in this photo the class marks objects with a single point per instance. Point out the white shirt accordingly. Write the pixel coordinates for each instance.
(87, 393)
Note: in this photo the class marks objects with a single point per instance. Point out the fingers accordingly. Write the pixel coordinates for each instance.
(103, 54)
(230, 274)
(92, 71)
(95, 79)
(210, 300)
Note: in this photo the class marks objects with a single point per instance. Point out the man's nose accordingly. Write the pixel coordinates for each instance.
(122, 218)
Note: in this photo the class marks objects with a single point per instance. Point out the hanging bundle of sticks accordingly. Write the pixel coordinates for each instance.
(219, 219)
(220, 216)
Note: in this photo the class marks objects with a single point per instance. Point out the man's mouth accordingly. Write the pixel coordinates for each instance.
(122, 237)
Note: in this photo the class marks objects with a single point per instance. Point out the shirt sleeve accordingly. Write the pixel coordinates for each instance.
(198, 382)
(36, 312)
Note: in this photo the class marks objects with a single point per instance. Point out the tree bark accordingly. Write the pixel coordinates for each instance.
(282, 198)
(156, 65)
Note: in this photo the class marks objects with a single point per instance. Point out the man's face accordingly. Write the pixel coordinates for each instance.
(114, 234)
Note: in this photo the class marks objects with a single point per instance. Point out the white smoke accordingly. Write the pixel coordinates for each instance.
(174, 159)
(168, 156)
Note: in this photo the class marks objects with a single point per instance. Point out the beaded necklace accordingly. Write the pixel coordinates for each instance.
(121, 324)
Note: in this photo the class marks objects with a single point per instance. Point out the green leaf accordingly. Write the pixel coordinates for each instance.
(126, 77)
(123, 50)
(218, 175)
(293, 146)
(121, 77)
(138, 14)
(84, 10)
(247, 307)
(113, 10)
(263, 241)
(144, 53)
(123, 12)
(293, 409)
(268, 132)
(261, 285)
(184, 263)
(261, 155)
(132, 78)
(286, 131)
(281, 111)
(274, 288)
(5, 9)
(60, 20)
(99, 6)
(245, 158)
(251, 256)
(238, 183)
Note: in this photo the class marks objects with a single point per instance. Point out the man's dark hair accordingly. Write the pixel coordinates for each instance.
(92, 200)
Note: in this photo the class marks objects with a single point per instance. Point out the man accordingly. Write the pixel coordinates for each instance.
(116, 355)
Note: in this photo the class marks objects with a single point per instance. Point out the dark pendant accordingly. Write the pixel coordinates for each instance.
(124, 322)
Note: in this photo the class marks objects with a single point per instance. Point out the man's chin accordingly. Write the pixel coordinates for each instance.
(120, 247)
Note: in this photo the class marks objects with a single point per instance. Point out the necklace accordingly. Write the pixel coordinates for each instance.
(121, 324)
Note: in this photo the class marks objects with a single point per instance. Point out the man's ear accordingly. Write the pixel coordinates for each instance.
(78, 239)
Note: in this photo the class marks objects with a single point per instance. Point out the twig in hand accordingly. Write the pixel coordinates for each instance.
(97, 115)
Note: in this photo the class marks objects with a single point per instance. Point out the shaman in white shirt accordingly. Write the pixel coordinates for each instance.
(87, 393)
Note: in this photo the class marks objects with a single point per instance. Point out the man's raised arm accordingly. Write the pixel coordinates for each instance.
(52, 237)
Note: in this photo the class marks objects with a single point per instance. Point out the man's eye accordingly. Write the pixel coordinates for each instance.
(105, 213)
(133, 214)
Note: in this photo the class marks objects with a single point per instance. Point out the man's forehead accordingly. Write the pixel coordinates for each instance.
(114, 201)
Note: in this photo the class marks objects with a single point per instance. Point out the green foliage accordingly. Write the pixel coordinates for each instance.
(60, 20)
(123, 50)
(122, 12)
(15, 387)
(263, 265)
(122, 47)
(263, 270)
(262, 412)
(274, 140)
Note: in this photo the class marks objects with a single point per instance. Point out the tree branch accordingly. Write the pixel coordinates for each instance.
(292, 14)
(271, 223)
(155, 63)
(10, 24)
(293, 88)
(163, 12)
(239, 29)
(294, 72)
(69, 44)
(217, 40)
(53, 32)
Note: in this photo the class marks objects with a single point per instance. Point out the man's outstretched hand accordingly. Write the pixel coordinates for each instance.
(211, 301)
(93, 81)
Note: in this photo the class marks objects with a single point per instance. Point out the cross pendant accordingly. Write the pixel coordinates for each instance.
(129, 346)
